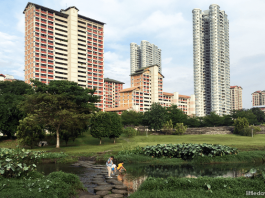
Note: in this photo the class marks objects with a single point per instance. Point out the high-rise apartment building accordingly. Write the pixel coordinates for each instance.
(211, 61)
(258, 98)
(111, 92)
(236, 97)
(147, 88)
(145, 55)
(63, 45)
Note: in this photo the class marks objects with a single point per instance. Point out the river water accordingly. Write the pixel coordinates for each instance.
(137, 173)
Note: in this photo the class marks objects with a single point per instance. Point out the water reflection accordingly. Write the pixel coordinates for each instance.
(137, 174)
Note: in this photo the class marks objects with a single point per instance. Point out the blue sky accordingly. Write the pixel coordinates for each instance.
(166, 23)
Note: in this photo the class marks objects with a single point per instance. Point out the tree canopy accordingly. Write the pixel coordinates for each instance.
(60, 105)
(155, 117)
(11, 94)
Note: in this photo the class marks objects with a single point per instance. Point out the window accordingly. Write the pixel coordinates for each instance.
(50, 27)
(43, 15)
(51, 18)
(43, 20)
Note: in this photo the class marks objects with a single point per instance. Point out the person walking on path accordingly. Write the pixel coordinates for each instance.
(109, 163)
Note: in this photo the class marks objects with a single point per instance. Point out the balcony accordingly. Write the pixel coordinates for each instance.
(43, 12)
(50, 72)
(50, 14)
(43, 57)
(50, 77)
(89, 30)
(43, 17)
(37, 25)
(43, 42)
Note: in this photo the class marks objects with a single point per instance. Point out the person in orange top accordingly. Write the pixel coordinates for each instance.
(120, 167)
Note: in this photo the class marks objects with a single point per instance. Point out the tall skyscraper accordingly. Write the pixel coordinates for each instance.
(211, 61)
(145, 55)
(64, 45)
(236, 97)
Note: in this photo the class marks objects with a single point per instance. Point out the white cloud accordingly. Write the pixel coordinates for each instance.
(167, 24)
(117, 68)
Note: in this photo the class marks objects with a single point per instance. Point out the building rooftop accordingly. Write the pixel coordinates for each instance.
(129, 89)
(112, 80)
(168, 94)
(184, 96)
(117, 109)
(2, 75)
(60, 13)
(231, 87)
(141, 70)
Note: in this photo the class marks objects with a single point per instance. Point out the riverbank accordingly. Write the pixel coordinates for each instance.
(36, 185)
(198, 187)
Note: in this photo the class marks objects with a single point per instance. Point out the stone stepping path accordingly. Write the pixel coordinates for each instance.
(103, 188)
(103, 193)
(114, 196)
(97, 183)
(123, 192)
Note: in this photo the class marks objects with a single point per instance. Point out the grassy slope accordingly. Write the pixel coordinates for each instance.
(87, 144)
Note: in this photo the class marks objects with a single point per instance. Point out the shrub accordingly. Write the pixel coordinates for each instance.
(180, 129)
(57, 184)
(240, 123)
(19, 162)
(130, 132)
(246, 132)
(188, 151)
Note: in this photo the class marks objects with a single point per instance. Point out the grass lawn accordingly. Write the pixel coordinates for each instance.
(87, 144)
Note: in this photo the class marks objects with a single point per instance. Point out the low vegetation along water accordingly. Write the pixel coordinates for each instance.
(137, 174)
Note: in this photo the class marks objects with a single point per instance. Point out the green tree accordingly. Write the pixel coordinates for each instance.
(194, 121)
(227, 120)
(100, 125)
(130, 132)
(176, 115)
(11, 94)
(29, 131)
(180, 129)
(259, 114)
(168, 126)
(240, 124)
(116, 126)
(213, 120)
(245, 113)
(131, 118)
(155, 117)
(59, 103)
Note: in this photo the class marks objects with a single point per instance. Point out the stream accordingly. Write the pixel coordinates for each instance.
(137, 173)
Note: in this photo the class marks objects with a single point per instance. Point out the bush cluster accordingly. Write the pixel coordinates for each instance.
(19, 162)
(36, 185)
(130, 132)
(188, 151)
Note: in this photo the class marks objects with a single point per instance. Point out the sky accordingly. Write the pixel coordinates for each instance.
(165, 23)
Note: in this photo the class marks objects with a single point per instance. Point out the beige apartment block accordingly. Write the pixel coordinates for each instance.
(236, 97)
(64, 45)
(258, 98)
(147, 88)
